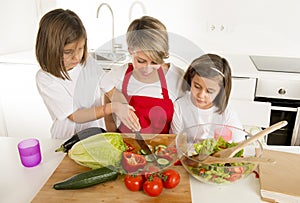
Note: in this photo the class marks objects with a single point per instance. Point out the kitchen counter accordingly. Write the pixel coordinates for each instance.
(23, 57)
(20, 184)
(241, 65)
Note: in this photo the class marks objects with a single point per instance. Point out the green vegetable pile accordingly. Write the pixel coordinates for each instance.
(218, 173)
(211, 146)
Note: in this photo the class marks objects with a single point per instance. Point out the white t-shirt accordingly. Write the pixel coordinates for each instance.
(186, 115)
(63, 97)
(174, 77)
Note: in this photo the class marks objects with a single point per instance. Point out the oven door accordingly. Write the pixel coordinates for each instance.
(284, 135)
(296, 132)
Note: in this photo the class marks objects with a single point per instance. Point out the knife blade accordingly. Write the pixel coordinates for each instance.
(144, 146)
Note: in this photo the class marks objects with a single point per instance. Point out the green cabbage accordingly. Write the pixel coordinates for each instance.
(98, 151)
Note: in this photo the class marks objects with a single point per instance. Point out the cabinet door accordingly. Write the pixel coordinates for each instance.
(243, 88)
(24, 112)
(252, 113)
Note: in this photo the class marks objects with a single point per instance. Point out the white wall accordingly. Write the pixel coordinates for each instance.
(265, 27)
(19, 22)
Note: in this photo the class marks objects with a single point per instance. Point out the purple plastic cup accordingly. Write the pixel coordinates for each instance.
(30, 152)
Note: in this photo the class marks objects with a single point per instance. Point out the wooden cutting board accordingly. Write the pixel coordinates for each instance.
(114, 191)
(279, 182)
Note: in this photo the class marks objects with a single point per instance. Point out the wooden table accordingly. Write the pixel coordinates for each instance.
(113, 191)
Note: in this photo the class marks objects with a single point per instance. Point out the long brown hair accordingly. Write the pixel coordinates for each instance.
(213, 67)
(58, 28)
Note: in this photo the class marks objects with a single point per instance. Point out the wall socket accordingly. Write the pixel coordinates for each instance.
(216, 27)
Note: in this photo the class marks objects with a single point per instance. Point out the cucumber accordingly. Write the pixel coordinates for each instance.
(143, 152)
(160, 146)
(88, 178)
(163, 162)
(149, 158)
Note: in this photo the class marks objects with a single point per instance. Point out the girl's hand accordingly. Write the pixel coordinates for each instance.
(126, 114)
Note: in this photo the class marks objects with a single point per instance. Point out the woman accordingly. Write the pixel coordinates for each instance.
(148, 83)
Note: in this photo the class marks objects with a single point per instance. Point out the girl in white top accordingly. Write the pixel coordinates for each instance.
(208, 86)
(69, 80)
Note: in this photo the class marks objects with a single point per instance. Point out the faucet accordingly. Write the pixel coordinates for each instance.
(133, 5)
(113, 26)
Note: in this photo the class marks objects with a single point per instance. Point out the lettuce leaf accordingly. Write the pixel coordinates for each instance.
(211, 146)
(99, 150)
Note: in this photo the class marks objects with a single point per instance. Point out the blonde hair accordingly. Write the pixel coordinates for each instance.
(58, 28)
(213, 67)
(149, 35)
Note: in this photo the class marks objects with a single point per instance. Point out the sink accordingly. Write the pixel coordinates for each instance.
(118, 56)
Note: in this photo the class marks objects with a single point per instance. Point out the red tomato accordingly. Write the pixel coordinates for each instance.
(234, 177)
(153, 187)
(178, 163)
(134, 182)
(172, 178)
(238, 170)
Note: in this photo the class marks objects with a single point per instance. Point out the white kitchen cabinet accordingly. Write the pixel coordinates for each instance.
(243, 88)
(23, 111)
(252, 113)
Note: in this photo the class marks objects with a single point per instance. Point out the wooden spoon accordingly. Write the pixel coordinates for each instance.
(213, 160)
(230, 152)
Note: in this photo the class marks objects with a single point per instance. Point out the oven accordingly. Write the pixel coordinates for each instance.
(288, 110)
(284, 96)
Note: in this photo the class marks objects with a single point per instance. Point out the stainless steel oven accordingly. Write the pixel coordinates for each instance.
(284, 96)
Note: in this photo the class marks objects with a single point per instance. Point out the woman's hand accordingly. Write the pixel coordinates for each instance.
(126, 114)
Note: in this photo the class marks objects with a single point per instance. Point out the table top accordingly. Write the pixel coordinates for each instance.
(20, 184)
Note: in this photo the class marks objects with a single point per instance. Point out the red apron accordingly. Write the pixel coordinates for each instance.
(155, 114)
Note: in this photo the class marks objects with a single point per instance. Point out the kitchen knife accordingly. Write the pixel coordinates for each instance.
(144, 146)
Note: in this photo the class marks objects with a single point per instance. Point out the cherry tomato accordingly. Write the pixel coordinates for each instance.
(134, 182)
(234, 177)
(153, 187)
(171, 178)
(178, 163)
(202, 171)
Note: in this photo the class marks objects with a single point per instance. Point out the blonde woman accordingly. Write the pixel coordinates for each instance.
(148, 83)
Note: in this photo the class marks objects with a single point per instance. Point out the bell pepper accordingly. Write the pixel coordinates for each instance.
(131, 162)
(167, 153)
(129, 148)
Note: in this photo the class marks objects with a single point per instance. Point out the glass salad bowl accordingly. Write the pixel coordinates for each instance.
(207, 139)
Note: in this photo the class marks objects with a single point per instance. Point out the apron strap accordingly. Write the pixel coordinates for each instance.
(163, 83)
(126, 79)
(162, 79)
